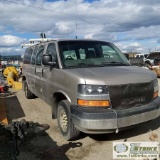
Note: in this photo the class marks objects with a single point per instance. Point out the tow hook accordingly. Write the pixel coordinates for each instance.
(117, 130)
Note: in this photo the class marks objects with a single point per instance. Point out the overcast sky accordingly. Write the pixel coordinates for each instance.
(132, 25)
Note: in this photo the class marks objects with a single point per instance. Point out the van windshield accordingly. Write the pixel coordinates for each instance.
(78, 53)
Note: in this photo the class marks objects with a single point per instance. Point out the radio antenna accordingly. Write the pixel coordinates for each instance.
(76, 19)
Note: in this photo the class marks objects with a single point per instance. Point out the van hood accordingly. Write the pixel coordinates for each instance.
(128, 86)
(114, 75)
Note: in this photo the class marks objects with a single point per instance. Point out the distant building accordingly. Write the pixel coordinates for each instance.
(130, 54)
(11, 59)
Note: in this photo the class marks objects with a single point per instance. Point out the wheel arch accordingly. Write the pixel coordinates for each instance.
(148, 62)
(57, 97)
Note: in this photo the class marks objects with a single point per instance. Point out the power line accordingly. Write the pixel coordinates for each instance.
(38, 8)
(70, 15)
(78, 16)
(111, 10)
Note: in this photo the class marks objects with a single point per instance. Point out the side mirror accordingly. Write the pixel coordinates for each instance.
(47, 60)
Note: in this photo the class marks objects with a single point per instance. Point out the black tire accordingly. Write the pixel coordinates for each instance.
(67, 129)
(23, 85)
(28, 93)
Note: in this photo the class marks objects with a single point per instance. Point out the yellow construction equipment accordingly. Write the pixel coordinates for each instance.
(12, 76)
(3, 114)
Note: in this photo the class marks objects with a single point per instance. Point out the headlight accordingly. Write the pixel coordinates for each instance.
(156, 88)
(92, 89)
(93, 96)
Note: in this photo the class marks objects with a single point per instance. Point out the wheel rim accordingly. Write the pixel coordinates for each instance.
(63, 120)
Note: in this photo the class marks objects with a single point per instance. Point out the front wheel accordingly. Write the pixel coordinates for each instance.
(65, 123)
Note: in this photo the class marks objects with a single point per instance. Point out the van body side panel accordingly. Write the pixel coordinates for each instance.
(48, 83)
(32, 78)
(68, 83)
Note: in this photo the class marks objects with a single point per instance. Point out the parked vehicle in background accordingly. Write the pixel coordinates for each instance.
(153, 62)
(135, 61)
(148, 60)
(143, 56)
(90, 86)
(153, 59)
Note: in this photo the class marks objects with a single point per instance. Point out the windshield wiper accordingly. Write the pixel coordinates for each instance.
(115, 63)
(103, 64)
(82, 65)
(86, 64)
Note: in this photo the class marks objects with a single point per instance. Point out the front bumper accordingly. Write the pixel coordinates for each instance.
(103, 120)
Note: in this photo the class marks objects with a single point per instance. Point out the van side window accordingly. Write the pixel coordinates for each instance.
(39, 55)
(51, 49)
(34, 55)
(27, 56)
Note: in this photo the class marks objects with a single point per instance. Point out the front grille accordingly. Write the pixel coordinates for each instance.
(131, 95)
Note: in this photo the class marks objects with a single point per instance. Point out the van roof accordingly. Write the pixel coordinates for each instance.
(33, 42)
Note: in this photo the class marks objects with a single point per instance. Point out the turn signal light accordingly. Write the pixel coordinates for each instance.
(90, 103)
(155, 95)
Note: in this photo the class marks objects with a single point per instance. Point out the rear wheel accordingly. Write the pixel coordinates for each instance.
(23, 84)
(65, 123)
(28, 93)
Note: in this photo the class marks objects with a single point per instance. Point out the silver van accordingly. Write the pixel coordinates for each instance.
(90, 86)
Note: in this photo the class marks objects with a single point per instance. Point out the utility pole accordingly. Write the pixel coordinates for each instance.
(155, 47)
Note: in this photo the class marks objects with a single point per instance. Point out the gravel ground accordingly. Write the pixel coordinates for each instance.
(50, 145)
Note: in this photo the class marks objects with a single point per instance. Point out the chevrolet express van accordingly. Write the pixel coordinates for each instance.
(90, 86)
